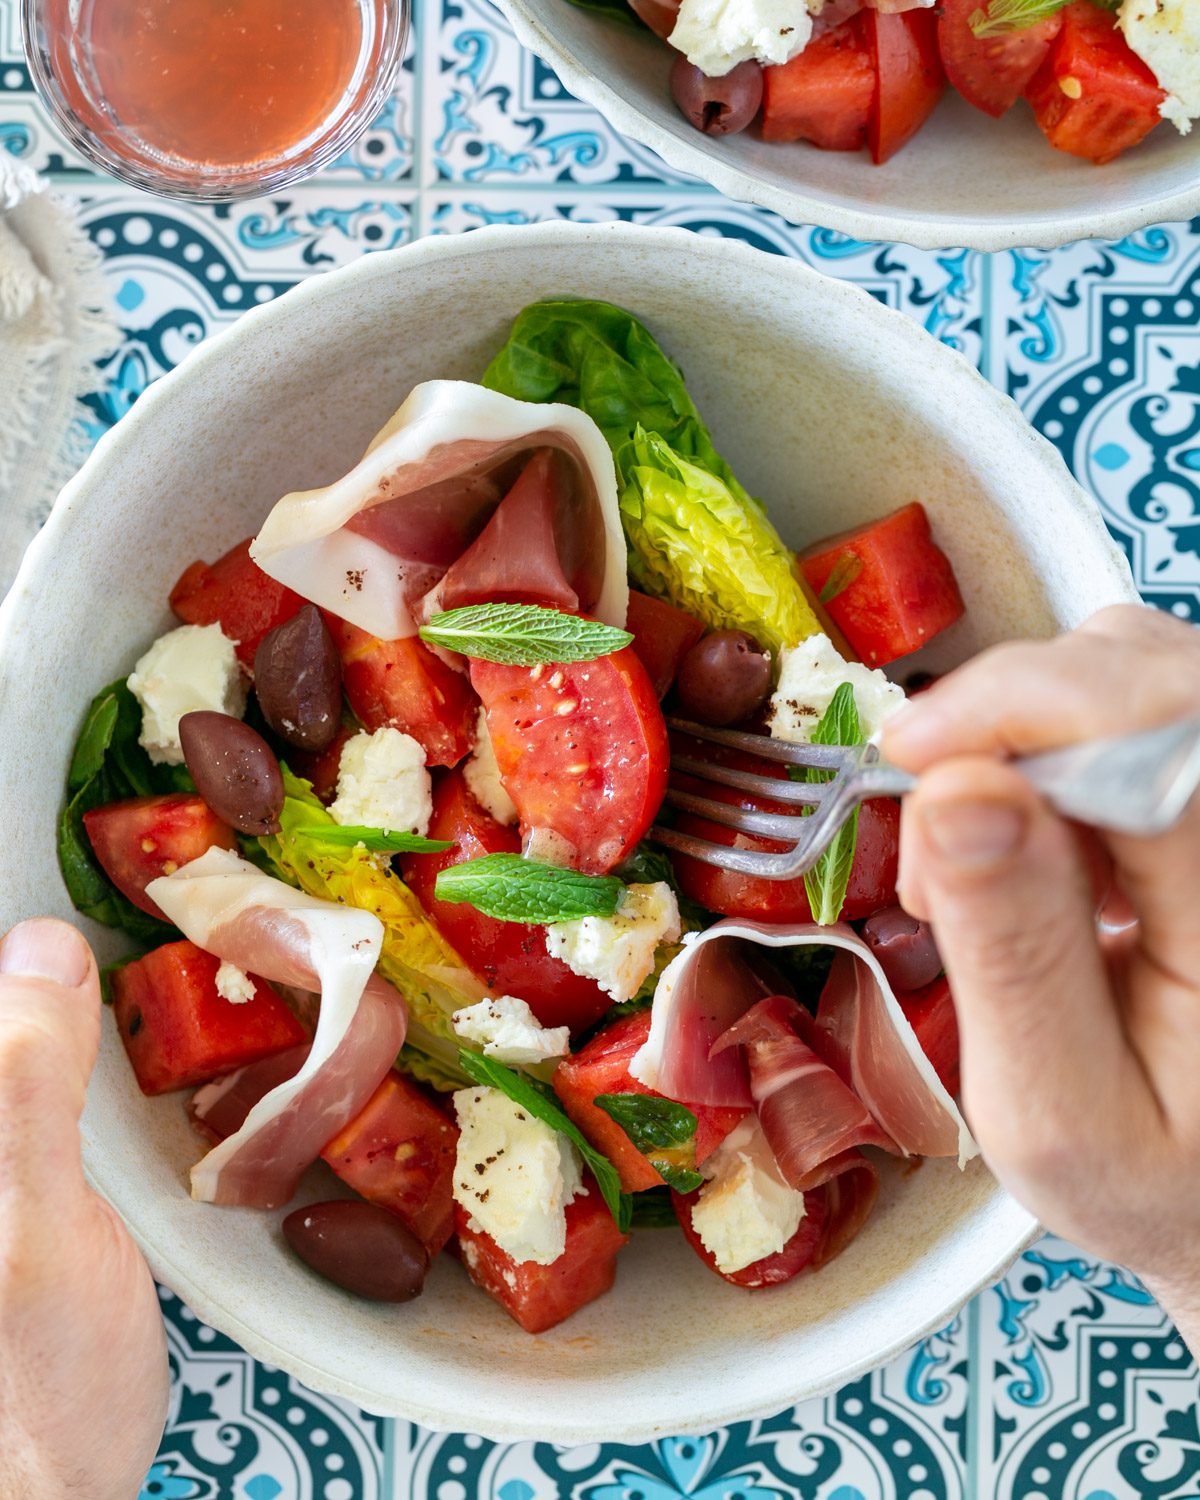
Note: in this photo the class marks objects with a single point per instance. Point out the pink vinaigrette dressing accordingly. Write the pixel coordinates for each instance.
(224, 84)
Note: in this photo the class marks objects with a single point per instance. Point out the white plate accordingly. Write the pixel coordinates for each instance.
(965, 180)
(829, 405)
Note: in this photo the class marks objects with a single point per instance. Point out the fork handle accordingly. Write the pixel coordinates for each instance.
(1134, 784)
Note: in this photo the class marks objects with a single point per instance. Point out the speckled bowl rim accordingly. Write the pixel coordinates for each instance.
(797, 206)
(205, 1300)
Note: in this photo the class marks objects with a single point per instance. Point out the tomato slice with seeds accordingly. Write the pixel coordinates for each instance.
(991, 72)
(510, 957)
(582, 752)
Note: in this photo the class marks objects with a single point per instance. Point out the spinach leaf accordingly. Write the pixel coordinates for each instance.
(108, 765)
(539, 1099)
(682, 1179)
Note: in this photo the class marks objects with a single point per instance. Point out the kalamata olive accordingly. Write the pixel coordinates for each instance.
(234, 771)
(361, 1247)
(717, 106)
(298, 679)
(723, 678)
(905, 948)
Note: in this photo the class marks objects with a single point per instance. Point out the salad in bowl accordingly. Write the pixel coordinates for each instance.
(793, 376)
(380, 811)
(847, 74)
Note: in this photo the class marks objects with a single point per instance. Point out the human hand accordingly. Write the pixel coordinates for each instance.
(83, 1370)
(1080, 1058)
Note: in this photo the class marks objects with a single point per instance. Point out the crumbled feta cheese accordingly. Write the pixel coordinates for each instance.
(185, 671)
(507, 1029)
(810, 674)
(618, 951)
(234, 984)
(483, 776)
(746, 1211)
(383, 783)
(514, 1175)
(716, 35)
(1165, 34)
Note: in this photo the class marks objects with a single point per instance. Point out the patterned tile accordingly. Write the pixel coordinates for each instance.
(1092, 1394)
(896, 1435)
(495, 114)
(237, 1428)
(1101, 345)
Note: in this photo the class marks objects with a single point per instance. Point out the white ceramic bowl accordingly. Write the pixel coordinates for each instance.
(966, 180)
(826, 403)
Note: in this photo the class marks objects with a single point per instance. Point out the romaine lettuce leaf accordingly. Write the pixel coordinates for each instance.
(697, 544)
(695, 537)
(416, 959)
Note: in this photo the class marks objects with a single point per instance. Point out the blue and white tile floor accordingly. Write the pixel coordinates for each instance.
(1063, 1382)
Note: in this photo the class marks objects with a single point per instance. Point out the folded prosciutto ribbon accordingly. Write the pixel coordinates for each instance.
(228, 907)
(465, 495)
(822, 1087)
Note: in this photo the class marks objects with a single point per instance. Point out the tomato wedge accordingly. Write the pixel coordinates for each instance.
(662, 636)
(509, 957)
(582, 751)
(146, 837)
(991, 72)
(931, 1015)
(824, 94)
(404, 685)
(910, 77)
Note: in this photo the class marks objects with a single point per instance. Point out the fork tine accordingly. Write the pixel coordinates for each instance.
(744, 861)
(822, 757)
(803, 794)
(745, 820)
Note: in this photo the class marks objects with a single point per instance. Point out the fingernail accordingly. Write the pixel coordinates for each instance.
(45, 949)
(974, 834)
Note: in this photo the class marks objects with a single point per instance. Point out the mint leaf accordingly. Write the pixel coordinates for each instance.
(374, 839)
(651, 1123)
(514, 889)
(1002, 17)
(522, 635)
(541, 1103)
(827, 881)
(682, 1179)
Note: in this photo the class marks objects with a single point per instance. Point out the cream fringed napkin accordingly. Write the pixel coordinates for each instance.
(56, 321)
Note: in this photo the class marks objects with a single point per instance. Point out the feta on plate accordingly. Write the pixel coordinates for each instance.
(483, 776)
(234, 984)
(506, 1028)
(514, 1175)
(618, 951)
(1165, 34)
(810, 674)
(189, 669)
(716, 35)
(745, 1211)
(383, 783)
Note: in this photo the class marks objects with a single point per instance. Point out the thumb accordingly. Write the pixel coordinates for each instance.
(1005, 886)
(49, 1035)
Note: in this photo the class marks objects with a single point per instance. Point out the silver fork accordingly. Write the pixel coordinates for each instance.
(1135, 784)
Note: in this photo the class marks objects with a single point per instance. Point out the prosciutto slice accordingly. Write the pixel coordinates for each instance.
(812, 1121)
(371, 546)
(228, 907)
(849, 1198)
(861, 1032)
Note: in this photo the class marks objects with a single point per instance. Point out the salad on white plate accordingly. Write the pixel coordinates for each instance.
(375, 814)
